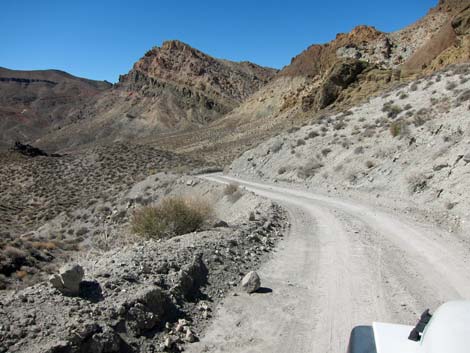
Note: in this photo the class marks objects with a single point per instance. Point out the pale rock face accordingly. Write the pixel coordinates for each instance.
(68, 280)
(251, 282)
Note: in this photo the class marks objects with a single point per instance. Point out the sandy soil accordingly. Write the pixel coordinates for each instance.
(342, 264)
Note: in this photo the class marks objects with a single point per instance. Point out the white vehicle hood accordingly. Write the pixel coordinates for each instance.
(391, 338)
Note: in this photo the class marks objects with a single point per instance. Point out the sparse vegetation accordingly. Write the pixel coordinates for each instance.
(416, 183)
(172, 216)
(231, 188)
(233, 192)
(309, 169)
(359, 150)
(414, 86)
(313, 134)
(464, 96)
(451, 86)
(392, 110)
(276, 146)
(403, 95)
(397, 128)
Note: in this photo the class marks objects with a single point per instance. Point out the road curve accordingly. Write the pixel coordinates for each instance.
(342, 264)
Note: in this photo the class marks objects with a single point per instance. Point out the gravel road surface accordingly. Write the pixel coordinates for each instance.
(342, 264)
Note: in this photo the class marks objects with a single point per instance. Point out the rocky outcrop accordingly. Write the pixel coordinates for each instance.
(461, 22)
(340, 77)
(180, 64)
(197, 80)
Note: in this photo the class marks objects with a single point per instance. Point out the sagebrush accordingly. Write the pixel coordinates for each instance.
(171, 217)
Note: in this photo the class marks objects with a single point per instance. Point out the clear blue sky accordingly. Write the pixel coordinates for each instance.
(101, 39)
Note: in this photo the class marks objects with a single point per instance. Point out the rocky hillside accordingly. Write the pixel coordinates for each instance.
(410, 143)
(136, 295)
(333, 77)
(172, 88)
(35, 102)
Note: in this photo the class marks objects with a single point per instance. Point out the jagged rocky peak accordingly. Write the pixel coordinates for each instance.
(452, 5)
(178, 63)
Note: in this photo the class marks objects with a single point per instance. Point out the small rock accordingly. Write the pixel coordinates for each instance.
(181, 325)
(168, 343)
(190, 336)
(251, 282)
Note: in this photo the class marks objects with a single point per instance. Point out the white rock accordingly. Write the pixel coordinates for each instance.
(251, 282)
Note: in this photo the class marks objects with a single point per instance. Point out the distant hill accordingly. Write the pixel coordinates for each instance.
(34, 102)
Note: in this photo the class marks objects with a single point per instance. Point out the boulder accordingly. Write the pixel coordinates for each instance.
(68, 280)
(251, 282)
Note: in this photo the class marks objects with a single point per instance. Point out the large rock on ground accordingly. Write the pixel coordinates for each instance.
(68, 280)
(251, 282)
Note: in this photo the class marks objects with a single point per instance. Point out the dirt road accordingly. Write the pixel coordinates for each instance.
(341, 265)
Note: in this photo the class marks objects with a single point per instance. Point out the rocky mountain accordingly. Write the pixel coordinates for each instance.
(171, 88)
(333, 77)
(33, 102)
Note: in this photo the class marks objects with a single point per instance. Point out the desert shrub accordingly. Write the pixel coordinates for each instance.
(397, 128)
(233, 192)
(3, 282)
(13, 252)
(391, 109)
(416, 183)
(394, 111)
(450, 205)
(47, 245)
(369, 132)
(339, 125)
(231, 188)
(359, 150)
(300, 142)
(276, 146)
(403, 95)
(465, 96)
(421, 117)
(309, 169)
(370, 164)
(451, 86)
(172, 216)
(81, 231)
(293, 129)
(326, 151)
(313, 134)
(282, 170)
(407, 107)
(414, 86)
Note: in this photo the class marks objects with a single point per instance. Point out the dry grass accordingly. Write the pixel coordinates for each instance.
(171, 217)
(47, 245)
